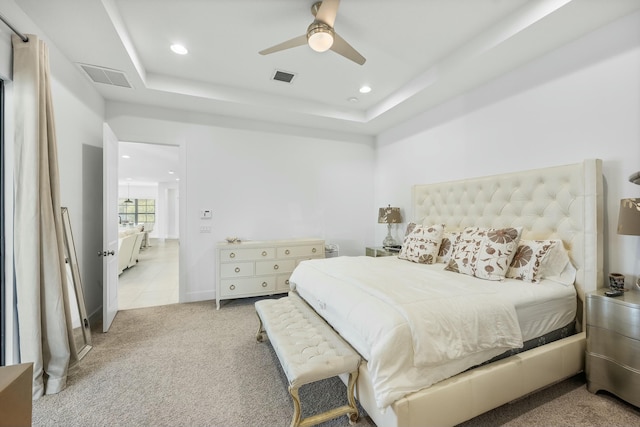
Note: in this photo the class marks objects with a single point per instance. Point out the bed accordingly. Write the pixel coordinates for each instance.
(401, 383)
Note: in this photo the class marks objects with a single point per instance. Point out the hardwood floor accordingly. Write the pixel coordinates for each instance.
(153, 280)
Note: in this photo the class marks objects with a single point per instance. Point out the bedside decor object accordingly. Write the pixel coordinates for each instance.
(616, 281)
(389, 216)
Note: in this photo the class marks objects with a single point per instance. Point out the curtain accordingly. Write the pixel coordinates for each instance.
(42, 301)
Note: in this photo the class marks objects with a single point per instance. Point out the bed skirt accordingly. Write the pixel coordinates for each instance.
(547, 338)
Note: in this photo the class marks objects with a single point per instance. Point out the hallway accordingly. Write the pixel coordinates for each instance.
(154, 280)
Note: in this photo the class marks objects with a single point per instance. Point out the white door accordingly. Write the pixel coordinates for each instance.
(110, 227)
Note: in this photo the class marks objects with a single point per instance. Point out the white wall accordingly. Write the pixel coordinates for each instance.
(581, 101)
(261, 185)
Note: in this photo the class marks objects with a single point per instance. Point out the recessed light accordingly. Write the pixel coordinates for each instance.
(353, 99)
(177, 179)
(179, 49)
(126, 156)
(365, 89)
(171, 172)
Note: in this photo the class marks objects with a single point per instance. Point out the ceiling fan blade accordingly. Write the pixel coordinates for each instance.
(340, 46)
(294, 42)
(328, 11)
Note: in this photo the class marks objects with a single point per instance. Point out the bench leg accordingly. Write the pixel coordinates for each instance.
(295, 421)
(350, 410)
(353, 416)
(259, 334)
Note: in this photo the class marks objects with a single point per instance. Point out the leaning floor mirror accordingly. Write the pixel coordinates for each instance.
(79, 319)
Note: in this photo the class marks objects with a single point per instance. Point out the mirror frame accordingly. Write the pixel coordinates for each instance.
(72, 261)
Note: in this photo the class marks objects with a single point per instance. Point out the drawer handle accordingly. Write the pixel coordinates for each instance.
(287, 252)
(232, 287)
(313, 250)
(264, 284)
(237, 270)
(276, 266)
(264, 253)
(232, 255)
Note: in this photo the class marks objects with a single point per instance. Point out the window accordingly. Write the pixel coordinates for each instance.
(137, 211)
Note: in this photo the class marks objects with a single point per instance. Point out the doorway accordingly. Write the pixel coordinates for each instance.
(148, 216)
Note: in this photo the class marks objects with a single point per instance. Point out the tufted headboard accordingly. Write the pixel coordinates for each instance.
(561, 202)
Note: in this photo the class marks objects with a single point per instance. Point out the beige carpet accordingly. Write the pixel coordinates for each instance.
(190, 365)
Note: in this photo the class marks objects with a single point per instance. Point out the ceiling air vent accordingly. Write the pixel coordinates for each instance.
(283, 76)
(106, 76)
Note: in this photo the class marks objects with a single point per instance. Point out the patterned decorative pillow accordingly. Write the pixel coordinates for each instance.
(485, 253)
(421, 245)
(446, 247)
(557, 266)
(528, 260)
(410, 228)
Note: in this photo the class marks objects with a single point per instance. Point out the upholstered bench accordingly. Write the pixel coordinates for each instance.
(309, 350)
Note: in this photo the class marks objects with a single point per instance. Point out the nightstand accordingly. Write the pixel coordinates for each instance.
(379, 251)
(613, 344)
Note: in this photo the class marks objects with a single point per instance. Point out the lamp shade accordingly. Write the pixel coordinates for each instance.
(629, 218)
(389, 215)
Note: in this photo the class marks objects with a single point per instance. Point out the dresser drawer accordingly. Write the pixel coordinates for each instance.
(237, 269)
(246, 254)
(247, 286)
(611, 314)
(611, 345)
(605, 374)
(282, 283)
(276, 266)
(300, 251)
(299, 260)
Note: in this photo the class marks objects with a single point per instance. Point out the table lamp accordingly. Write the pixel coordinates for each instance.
(389, 216)
(629, 218)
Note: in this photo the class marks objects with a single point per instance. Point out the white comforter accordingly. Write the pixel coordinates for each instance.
(409, 322)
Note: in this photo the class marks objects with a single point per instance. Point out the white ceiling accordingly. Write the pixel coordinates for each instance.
(419, 53)
(142, 164)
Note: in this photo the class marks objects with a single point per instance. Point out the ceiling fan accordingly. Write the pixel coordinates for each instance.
(320, 34)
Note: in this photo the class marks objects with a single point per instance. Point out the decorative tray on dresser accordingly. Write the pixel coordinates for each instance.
(253, 268)
(613, 344)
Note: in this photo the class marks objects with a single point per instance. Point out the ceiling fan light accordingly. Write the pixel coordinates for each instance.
(320, 41)
(320, 36)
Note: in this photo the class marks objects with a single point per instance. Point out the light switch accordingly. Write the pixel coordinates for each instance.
(206, 214)
(205, 229)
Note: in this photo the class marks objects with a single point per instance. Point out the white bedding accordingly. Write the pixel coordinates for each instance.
(385, 327)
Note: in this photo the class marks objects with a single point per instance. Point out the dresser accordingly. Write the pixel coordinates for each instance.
(613, 344)
(255, 268)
